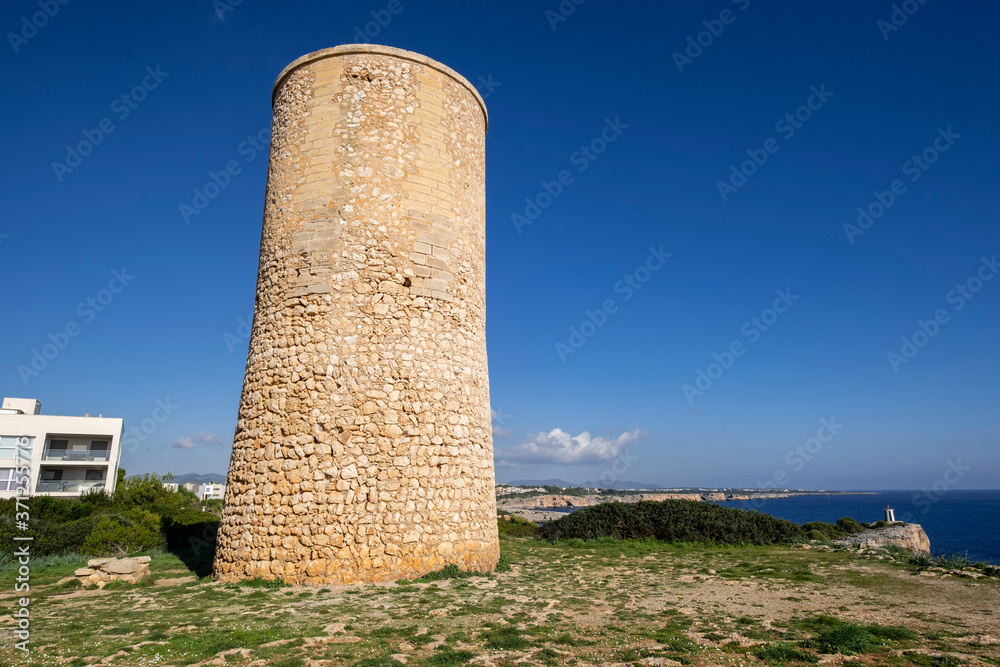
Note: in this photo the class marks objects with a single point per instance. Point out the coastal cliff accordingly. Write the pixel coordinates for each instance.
(909, 536)
(558, 501)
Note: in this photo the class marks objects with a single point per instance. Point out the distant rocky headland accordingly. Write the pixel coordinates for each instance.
(547, 503)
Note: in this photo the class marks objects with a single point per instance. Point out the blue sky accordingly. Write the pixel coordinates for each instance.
(681, 260)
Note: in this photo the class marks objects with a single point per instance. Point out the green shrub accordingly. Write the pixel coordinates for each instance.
(849, 525)
(505, 638)
(125, 533)
(891, 632)
(213, 505)
(516, 527)
(672, 520)
(68, 585)
(921, 560)
(447, 572)
(846, 639)
(952, 561)
(122, 585)
(781, 653)
(502, 565)
(829, 531)
(379, 661)
(261, 582)
(51, 538)
(63, 525)
(446, 656)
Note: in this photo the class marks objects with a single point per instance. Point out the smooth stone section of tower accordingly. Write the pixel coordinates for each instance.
(363, 448)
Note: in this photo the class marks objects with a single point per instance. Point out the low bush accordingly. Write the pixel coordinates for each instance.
(688, 521)
(849, 525)
(261, 582)
(952, 561)
(213, 505)
(505, 638)
(68, 585)
(446, 656)
(447, 572)
(827, 532)
(502, 565)
(891, 632)
(125, 533)
(672, 520)
(51, 537)
(831, 635)
(98, 522)
(515, 526)
(782, 653)
(846, 639)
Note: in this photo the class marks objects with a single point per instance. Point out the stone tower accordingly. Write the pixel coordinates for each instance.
(363, 447)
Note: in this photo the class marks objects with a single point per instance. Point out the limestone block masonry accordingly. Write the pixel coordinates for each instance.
(363, 448)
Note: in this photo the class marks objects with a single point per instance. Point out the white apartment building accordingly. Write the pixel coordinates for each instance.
(213, 491)
(66, 456)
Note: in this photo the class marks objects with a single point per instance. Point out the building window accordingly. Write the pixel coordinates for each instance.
(98, 445)
(59, 444)
(8, 479)
(8, 443)
(52, 475)
(95, 475)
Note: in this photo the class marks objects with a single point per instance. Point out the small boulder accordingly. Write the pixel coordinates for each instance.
(123, 566)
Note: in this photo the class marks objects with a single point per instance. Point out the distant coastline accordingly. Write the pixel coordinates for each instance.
(548, 498)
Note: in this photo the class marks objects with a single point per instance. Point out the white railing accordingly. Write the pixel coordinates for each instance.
(68, 486)
(81, 455)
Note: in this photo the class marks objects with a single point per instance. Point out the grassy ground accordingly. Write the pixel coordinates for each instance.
(570, 603)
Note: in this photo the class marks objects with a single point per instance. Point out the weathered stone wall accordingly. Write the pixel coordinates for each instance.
(363, 447)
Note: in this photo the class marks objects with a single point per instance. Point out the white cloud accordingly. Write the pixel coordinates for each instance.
(499, 418)
(557, 446)
(192, 441)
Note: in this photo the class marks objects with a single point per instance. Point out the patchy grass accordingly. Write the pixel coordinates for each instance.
(447, 572)
(568, 603)
(783, 653)
(261, 582)
(505, 638)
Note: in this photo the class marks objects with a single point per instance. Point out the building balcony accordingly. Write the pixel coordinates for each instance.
(68, 486)
(76, 455)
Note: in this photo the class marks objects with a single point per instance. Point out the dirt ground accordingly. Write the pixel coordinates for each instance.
(571, 603)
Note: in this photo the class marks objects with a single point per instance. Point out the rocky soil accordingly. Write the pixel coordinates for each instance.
(572, 603)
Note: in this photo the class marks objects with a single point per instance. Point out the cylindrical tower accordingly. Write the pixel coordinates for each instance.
(363, 447)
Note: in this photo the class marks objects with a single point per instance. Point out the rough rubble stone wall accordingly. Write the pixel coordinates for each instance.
(363, 447)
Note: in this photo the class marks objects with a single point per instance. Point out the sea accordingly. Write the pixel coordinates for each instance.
(957, 522)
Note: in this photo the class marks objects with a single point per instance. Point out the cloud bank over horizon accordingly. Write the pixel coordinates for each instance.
(557, 446)
(201, 438)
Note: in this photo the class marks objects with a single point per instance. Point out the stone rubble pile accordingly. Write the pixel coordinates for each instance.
(100, 571)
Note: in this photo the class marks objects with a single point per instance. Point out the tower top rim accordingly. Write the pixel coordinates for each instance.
(379, 49)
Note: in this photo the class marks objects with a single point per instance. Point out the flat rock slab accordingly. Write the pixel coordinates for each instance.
(123, 566)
